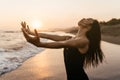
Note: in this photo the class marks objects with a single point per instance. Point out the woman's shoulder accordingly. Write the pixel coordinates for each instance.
(83, 38)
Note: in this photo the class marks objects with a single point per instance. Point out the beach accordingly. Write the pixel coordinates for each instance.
(84, 20)
(49, 65)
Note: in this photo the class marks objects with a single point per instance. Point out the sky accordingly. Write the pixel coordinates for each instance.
(55, 13)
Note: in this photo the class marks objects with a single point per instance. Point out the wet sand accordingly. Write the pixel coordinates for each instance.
(110, 69)
(49, 65)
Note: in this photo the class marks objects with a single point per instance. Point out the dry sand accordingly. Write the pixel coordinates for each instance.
(49, 65)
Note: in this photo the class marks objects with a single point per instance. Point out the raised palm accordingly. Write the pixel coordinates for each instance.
(26, 28)
(35, 40)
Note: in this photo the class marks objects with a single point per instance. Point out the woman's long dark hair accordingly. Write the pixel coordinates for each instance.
(94, 54)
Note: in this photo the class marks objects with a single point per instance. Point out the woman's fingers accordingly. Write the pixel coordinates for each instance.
(25, 34)
(23, 24)
(28, 28)
(36, 33)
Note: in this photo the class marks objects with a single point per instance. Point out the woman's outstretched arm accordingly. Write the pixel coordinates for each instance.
(45, 35)
(54, 37)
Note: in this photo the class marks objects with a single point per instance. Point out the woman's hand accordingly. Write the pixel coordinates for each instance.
(35, 40)
(26, 28)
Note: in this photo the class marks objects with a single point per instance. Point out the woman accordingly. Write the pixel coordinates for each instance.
(80, 51)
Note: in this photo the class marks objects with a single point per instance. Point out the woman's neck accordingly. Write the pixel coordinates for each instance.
(81, 32)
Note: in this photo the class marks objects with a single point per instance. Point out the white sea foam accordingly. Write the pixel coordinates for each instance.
(10, 60)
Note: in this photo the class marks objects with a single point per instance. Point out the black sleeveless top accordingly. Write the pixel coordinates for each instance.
(74, 61)
(73, 56)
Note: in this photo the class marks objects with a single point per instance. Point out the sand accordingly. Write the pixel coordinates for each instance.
(49, 65)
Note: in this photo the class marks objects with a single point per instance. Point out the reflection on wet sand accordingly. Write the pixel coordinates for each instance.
(110, 69)
(48, 65)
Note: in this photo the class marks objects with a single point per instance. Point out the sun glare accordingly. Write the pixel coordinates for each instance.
(36, 24)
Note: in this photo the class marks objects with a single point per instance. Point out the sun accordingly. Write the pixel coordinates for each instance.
(36, 24)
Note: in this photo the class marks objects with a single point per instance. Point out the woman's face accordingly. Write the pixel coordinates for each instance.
(85, 23)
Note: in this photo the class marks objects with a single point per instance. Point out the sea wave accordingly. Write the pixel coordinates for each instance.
(11, 59)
